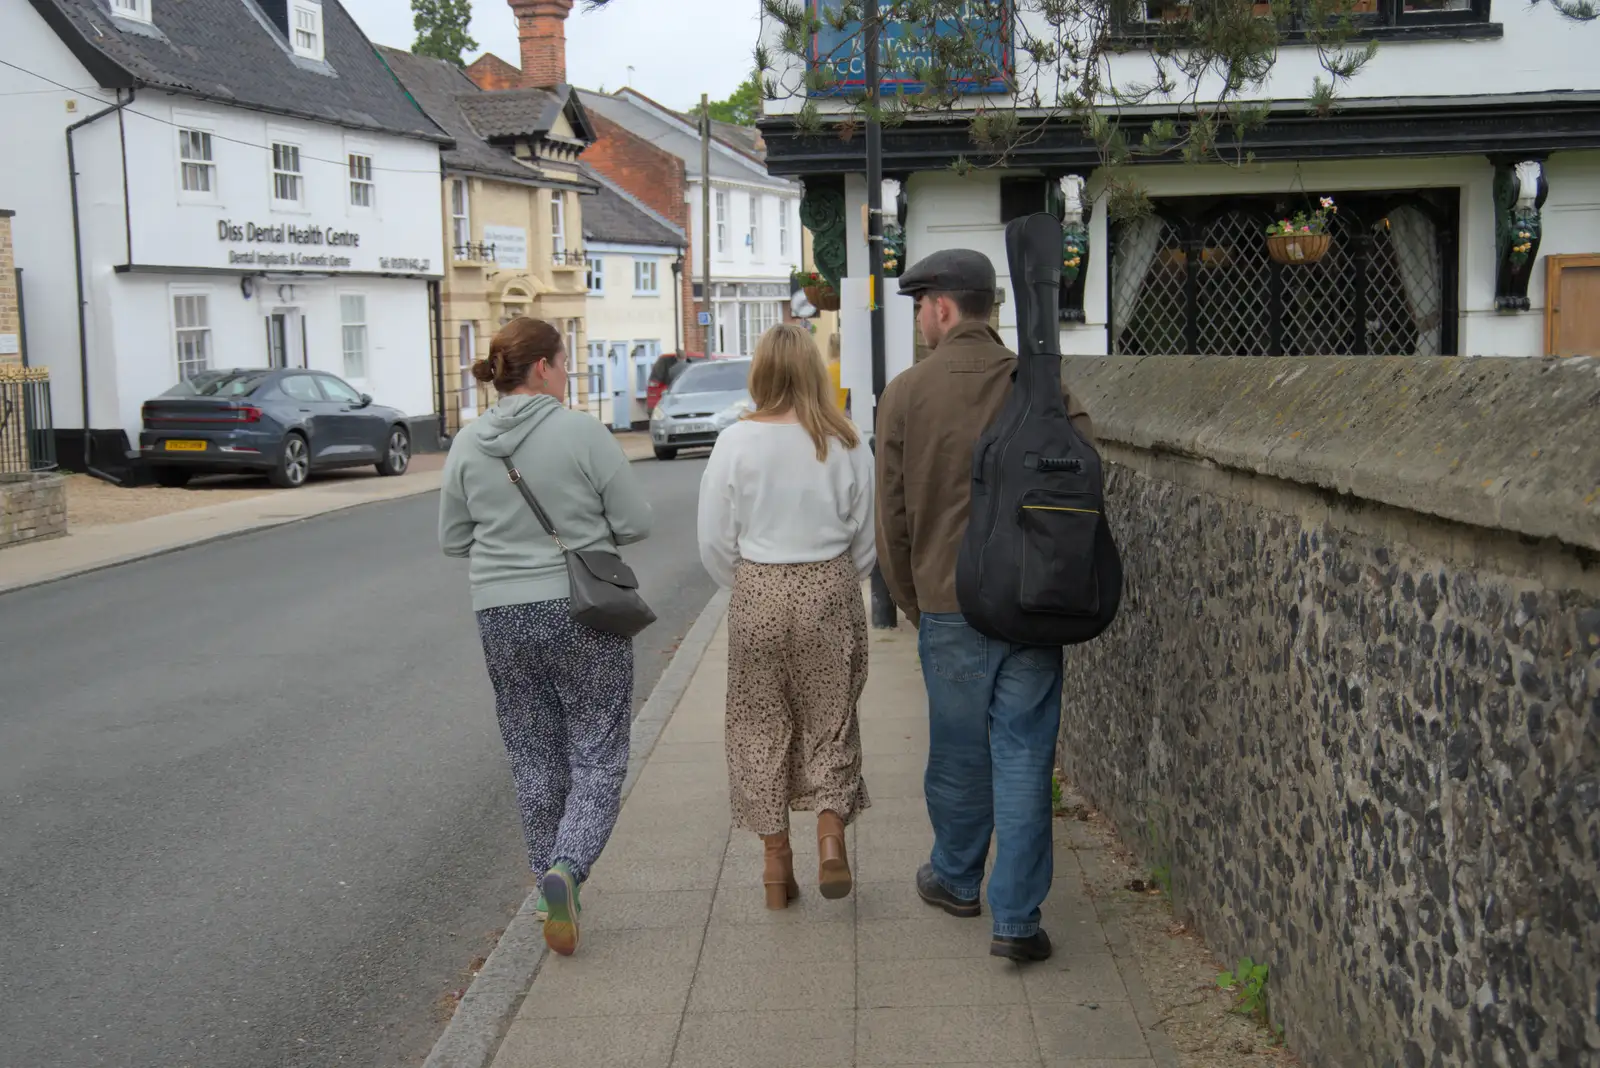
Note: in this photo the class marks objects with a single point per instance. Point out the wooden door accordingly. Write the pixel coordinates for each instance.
(1572, 305)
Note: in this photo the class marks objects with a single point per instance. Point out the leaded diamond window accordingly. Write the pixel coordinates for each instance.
(1195, 278)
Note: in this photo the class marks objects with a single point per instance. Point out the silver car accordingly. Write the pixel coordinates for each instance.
(705, 400)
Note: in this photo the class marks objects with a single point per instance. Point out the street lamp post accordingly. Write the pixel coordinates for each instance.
(883, 610)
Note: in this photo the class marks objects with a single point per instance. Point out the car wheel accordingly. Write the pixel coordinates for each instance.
(666, 454)
(397, 453)
(173, 477)
(294, 463)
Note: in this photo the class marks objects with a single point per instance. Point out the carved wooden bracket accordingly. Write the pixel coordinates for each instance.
(822, 212)
(1519, 194)
(1074, 242)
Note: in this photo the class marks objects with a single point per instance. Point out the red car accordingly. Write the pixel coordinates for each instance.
(665, 372)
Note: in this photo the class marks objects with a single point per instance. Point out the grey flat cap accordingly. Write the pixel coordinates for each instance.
(950, 271)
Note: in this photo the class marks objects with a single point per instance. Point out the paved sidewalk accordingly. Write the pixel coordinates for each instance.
(682, 965)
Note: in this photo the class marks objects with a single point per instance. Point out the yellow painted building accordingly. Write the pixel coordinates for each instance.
(512, 191)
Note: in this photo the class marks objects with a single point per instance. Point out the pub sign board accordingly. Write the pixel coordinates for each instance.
(904, 52)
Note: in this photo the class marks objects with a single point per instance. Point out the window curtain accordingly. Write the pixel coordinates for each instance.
(1137, 244)
(1416, 247)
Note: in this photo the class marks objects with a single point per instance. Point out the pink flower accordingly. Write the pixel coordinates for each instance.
(1305, 229)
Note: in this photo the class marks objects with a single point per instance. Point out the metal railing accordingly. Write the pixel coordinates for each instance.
(479, 252)
(27, 434)
(569, 257)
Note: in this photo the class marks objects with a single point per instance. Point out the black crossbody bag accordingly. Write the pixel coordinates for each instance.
(605, 591)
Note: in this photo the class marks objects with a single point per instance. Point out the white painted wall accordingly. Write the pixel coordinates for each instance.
(945, 210)
(179, 229)
(128, 315)
(737, 261)
(949, 211)
(1538, 51)
(621, 314)
(33, 117)
(143, 349)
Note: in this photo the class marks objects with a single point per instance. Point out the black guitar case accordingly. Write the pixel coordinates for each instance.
(1038, 565)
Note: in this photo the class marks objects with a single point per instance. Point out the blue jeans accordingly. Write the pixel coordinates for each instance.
(993, 712)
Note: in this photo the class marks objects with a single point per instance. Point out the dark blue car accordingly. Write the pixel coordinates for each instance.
(286, 423)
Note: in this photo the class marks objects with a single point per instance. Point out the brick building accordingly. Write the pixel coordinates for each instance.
(657, 178)
(10, 298)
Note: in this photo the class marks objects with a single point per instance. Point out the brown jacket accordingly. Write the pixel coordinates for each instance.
(927, 425)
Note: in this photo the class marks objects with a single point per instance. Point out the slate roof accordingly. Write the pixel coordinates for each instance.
(449, 97)
(511, 113)
(746, 139)
(613, 216)
(658, 130)
(230, 52)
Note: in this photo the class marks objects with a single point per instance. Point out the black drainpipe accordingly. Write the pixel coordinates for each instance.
(438, 356)
(77, 263)
(677, 303)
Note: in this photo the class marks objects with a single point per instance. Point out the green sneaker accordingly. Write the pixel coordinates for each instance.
(559, 887)
(540, 909)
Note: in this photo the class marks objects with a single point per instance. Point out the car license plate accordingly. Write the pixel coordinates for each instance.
(186, 446)
(694, 428)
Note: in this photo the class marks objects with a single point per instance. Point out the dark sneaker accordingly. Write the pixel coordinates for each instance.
(1035, 947)
(933, 892)
(560, 887)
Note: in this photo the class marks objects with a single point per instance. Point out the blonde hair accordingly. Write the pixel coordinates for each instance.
(788, 375)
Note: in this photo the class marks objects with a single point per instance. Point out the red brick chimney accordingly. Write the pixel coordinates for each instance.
(541, 27)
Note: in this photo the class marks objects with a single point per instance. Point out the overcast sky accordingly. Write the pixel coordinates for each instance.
(677, 50)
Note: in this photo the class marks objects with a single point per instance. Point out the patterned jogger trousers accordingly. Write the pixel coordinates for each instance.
(797, 663)
(564, 696)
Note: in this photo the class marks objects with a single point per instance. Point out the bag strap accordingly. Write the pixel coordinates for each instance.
(533, 502)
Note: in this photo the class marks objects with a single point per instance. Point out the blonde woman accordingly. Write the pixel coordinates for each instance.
(786, 521)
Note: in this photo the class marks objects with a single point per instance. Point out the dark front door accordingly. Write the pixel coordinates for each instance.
(278, 340)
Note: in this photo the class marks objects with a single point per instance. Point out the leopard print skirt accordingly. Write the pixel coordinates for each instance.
(797, 663)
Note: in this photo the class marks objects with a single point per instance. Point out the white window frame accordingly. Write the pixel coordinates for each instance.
(186, 130)
(306, 36)
(756, 317)
(466, 384)
(646, 278)
(346, 324)
(277, 142)
(783, 228)
(558, 222)
(201, 334)
(755, 226)
(136, 10)
(643, 365)
(595, 271)
(722, 221)
(356, 179)
(574, 331)
(460, 219)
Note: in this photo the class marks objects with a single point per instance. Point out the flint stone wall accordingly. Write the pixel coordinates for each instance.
(1352, 700)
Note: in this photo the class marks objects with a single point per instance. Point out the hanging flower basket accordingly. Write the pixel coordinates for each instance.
(823, 298)
(1296, 249)
(1073, 243)
(819, 291)
(1303, 239)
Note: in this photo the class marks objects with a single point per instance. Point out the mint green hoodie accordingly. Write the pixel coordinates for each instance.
(577, 471)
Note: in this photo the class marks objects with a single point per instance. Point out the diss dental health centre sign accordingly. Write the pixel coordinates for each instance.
(902, 54)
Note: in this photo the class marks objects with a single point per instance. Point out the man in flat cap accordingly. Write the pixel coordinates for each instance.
(993, 708)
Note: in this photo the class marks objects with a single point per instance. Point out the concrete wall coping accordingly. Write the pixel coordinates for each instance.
(1500, 442)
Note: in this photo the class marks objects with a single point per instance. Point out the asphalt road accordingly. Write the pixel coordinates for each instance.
(254, 809)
